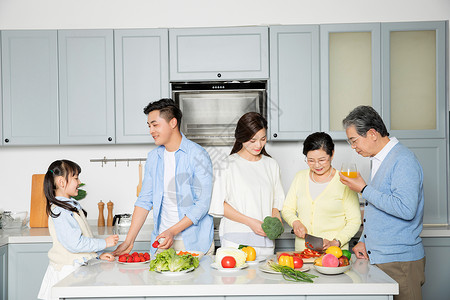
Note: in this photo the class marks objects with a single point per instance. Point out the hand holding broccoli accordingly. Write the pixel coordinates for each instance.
(272, 227)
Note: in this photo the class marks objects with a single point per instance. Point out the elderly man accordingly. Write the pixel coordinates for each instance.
(393, 213)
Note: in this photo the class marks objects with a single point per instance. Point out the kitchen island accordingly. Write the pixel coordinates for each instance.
(23, 256)
(119, 281)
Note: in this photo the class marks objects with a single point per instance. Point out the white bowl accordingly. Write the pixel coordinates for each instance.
(331, 270)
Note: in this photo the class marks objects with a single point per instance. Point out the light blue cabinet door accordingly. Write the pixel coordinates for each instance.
(30, 87)
(86, 82)
(27, 264)
(339, 72)
(294, 82)
(424, 65)
(219, 53)
(437, 268)
(142, 76)
(1, 101)
(432, 155)
(4, 272)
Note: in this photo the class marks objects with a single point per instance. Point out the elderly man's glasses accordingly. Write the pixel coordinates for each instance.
(351, 142)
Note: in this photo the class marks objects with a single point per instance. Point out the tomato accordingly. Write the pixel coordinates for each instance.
(228, 262)
(298, 262)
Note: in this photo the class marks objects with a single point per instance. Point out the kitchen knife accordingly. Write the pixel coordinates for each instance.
(313, 242)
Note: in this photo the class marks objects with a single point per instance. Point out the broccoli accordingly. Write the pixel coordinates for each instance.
(272, 227)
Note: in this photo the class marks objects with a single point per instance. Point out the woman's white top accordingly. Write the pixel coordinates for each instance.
(251, 187)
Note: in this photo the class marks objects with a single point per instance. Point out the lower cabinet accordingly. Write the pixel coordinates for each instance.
(437, 268)
(3, 272)
(27, 264)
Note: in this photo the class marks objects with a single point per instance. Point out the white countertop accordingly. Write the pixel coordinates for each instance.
(41, 235)
(111, 279)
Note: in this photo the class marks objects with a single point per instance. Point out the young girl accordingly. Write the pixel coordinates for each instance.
(73, 242)
(248, 188)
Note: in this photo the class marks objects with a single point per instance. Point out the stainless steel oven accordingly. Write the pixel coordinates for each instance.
(212, 109)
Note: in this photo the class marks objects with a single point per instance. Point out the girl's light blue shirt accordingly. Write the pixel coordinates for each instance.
(69, 232)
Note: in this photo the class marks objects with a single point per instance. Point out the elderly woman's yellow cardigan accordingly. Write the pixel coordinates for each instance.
(334, 214)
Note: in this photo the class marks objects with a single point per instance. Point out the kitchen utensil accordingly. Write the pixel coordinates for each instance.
(122, 220)
(139, 187)
(313, 242)
(38, 213)
(101, 217)
(14, 220)
(109, 220)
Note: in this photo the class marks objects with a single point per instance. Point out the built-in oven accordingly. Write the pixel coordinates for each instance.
(212, 109)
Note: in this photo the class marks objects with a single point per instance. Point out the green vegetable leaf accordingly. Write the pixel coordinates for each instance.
(168, 260)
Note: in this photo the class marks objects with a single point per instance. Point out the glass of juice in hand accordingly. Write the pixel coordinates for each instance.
(349, 170)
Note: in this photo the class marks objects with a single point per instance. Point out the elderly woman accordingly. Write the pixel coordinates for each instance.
(317, 202)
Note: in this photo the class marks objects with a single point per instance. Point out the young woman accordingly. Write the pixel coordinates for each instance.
(73, 242)
(317, 202)
(247, 188)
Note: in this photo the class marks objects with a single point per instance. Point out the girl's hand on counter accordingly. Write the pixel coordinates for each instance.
(299, 229)
(255, 225)
(112, 240)
(107, 256)
(123, 248)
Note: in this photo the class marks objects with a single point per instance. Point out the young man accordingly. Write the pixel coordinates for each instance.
(177, 185)
(393, 210)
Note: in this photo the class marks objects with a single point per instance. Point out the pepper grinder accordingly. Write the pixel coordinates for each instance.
(101, 218)
(109, 220)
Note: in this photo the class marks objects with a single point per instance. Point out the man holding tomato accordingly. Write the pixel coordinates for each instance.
(393, 213)
(177, 185)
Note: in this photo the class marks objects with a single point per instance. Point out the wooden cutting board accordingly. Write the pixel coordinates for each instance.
(38, 215)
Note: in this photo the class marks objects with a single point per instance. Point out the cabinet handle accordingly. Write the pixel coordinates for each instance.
(275, 135)
(110, 139)
(219, 75)
(6, 140)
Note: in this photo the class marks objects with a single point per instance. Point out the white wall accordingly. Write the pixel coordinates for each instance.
(118, 183)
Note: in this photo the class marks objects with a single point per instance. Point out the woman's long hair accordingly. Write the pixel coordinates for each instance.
(57, 168)
(247, 126)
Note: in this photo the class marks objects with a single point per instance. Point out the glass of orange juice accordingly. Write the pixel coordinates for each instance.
(349, 170)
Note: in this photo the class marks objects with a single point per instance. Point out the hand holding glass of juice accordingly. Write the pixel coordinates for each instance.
(349, 170)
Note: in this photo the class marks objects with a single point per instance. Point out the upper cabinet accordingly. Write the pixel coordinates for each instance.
(294, 106)
(350, 72)
(30, 87)
(233, 53)
(413, 64)
(142, 76)
(86, 86)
